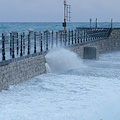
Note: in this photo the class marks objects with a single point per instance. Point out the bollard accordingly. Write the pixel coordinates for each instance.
(13, 54)
(21, 54)
(3, 47)
(28, 44)
(35, 42)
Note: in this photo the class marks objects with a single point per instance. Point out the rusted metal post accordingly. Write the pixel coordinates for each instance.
(46, 40)
(41, 46)
(13, 54)
(69, 38)
(56, 39)
(17, 45)
(3, 47)
(10, 44)
(75, 35)
(72, 36)
(35, 42)
(28, 44)
(52, 40)
(21, 53)
(23, 43)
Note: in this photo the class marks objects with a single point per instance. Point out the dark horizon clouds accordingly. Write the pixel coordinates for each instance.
(52, 10)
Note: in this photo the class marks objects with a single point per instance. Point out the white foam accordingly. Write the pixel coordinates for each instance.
(60, 60)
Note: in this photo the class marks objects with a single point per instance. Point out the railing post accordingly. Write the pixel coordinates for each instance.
(81, 36)
(41, 49)
(21, 54)
(10, 44)
(84, 36)
(78, 36)
(69, 38)
(28, 44)
(23, 43)
(52, 40)
(17, 45)
(66, 37)
(56, 39)
(13, 54)
(75, 36)
(35, 42)
(72, 37)
(46, 40)
(111, 23)
(91, 35)
(3, 47)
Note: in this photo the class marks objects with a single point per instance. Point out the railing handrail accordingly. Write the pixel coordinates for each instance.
(22, 44)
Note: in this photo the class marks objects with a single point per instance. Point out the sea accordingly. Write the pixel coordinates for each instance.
(72, 88)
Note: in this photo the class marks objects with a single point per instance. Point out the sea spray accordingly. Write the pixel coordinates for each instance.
(60, 60)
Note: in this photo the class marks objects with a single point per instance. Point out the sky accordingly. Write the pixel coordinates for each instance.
(52, 10)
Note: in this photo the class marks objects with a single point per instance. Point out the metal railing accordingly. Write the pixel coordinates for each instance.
(16, 45)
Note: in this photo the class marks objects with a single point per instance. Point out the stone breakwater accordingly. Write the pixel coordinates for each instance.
(18, 70)
(112, 43)
(21, 70)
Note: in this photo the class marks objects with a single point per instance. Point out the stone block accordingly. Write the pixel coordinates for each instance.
(90, 53)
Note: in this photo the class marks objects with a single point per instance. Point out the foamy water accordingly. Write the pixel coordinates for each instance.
(60, 60)
(79, 93)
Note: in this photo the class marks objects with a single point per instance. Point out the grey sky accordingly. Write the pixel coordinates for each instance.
(52, 10)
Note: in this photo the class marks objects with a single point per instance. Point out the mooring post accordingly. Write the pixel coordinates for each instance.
(3, 47)
(13, 54)
(23, 42)
(17, 45)
(35, 42)
(10, 44)
(41, 46)
(21, 46)
(28, 44)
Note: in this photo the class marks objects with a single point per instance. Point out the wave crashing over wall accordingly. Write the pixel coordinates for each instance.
(60, 60)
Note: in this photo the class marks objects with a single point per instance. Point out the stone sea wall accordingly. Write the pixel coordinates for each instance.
(112, 43)
(20, 70)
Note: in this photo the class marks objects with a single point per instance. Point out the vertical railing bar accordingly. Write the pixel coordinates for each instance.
(3, 47)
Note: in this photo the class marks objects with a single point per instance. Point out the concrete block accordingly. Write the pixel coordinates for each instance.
(90, 53)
